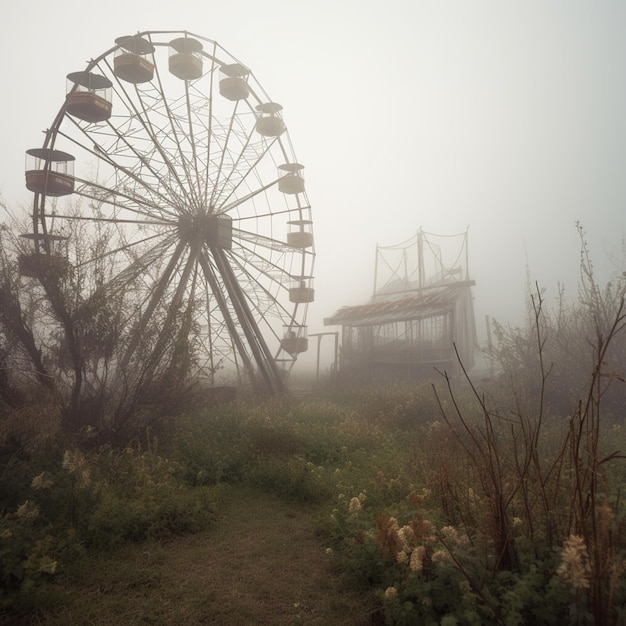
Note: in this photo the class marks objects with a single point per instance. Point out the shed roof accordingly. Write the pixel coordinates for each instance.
(427, 302)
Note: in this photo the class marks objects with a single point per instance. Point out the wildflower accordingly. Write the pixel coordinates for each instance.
(449, 534)
(575, 568)
(393, 483)
(75, 463)
(435, 426)
(517, 521)
(604, 514)
(415, 499)
(416, 563)
(406, 536)
(47, 565)
(27, 511)
(391, 593)
(439, 557)
(42, 481)
(69, 462)
(418, 498)
(355, 505)
(402, 557)
(472, 497)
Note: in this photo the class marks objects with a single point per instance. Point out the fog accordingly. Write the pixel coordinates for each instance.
(507, 119)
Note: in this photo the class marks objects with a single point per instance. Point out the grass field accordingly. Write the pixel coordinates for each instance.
(397, 505)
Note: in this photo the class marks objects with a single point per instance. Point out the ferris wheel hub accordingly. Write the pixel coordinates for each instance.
(203, 228)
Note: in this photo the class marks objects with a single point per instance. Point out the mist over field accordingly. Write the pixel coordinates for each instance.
(506, 120)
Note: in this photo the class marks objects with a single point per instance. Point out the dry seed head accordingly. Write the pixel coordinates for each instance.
(575, 568)
(417, 559)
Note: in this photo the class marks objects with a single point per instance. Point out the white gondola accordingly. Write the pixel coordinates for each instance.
(89, 97)
(50, 172)
(270, 124)
(291, 180)
(300, 233)
(234, 81)
(301, 290)
(131, 62)
(295, 340)
(185, 61)
(37, 263)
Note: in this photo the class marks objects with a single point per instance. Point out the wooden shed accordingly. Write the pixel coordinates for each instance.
(420, 315)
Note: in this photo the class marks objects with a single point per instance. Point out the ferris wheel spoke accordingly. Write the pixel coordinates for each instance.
(264, 359)
(249, 171)
(235, 147)
(258, 216)
(107, 220)
(118, 200)
(166, 327)
(265, 297)
(200, 129)
(108, 147)
(270, 268)
(139, 263)
(260, 240)
(148, 258)
(179, 135)
(228, 316)
(282, 310)
(262, 267)
(223, 209)
(209, 122)
(140, 124)
(156, 295)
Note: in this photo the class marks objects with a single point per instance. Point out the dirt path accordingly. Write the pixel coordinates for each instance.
(260, 564)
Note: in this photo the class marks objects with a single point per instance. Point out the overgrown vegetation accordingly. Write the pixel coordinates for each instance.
(76, 333)
(451, 502)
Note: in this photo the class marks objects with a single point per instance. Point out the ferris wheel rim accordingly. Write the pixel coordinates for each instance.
(253, 255)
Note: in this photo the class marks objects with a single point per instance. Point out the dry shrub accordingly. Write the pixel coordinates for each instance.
(32, 426)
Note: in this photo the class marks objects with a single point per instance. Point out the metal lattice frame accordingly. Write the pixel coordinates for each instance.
(186, 191)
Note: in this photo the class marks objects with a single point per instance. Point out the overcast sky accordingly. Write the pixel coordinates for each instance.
(504, 117)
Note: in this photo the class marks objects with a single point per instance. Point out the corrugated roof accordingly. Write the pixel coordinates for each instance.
(427, 303)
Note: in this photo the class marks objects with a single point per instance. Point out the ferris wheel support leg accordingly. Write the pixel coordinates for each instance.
(157, 295)
(232, 327)
(262, 355)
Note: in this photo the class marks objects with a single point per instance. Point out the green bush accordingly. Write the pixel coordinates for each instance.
(294, 478)
(137, 496)
(100, 501)
(31, 553)
(211, 446)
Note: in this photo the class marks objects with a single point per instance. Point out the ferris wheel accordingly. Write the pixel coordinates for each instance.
(169, 148)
